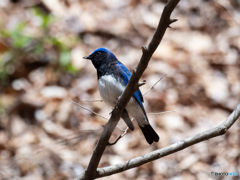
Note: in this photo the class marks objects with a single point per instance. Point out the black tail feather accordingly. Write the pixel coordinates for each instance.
(149, 134)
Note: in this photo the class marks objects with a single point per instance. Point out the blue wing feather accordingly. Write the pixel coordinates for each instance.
(126, 74)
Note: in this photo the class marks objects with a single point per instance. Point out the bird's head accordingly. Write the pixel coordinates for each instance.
(100, 56)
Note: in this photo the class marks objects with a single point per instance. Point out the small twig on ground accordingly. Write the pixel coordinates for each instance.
(154, 85)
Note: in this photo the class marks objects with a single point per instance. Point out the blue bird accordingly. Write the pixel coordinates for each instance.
(113, 77)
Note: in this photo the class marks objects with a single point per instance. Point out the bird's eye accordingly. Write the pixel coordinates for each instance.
(98, 53)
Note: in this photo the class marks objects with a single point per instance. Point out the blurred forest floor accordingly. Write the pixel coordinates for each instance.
(44, 136)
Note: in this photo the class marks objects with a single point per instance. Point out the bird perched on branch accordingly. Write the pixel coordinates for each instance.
(113, 77)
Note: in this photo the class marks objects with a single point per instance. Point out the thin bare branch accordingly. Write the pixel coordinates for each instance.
(93, 113)
(90, 101)
(88, 109)
(160, 113)
(154, 85)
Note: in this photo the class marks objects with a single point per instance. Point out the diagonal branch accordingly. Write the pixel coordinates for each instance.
(90, 172)
(217, 131)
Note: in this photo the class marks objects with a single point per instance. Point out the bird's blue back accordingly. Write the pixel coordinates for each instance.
(126, 74)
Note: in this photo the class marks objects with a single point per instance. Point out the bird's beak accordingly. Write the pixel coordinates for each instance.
(87, 57)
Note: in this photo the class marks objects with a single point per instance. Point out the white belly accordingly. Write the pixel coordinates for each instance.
(110, 90)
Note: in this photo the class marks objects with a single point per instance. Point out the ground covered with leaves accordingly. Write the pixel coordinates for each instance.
(45, 136)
